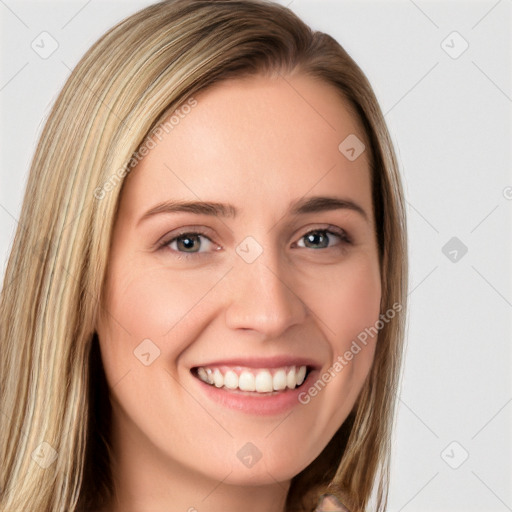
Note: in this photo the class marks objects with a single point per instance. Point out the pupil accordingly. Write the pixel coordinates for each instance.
(187, 242)
(317, 238)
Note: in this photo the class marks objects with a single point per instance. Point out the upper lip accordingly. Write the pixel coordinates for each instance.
(263, 362)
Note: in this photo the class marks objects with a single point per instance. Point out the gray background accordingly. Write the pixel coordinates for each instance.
(449, 116)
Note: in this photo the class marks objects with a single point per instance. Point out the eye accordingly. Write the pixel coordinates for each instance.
(190, 242)
(323, 239)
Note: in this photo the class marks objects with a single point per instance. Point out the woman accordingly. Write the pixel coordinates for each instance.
(204, 306)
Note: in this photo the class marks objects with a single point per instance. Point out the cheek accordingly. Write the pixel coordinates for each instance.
(150, 303)
(348, 302)
(347, 307)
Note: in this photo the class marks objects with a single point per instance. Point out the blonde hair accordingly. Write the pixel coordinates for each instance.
(51, 379)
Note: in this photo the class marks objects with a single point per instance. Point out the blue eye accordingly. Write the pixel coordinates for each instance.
(321, 239)
(189, 243)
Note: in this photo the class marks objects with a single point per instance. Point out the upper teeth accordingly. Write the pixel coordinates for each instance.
(260, 380)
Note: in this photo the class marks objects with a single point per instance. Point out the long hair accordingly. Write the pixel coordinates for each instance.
(54, 421)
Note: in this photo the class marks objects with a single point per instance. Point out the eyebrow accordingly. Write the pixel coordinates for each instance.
(302, 206)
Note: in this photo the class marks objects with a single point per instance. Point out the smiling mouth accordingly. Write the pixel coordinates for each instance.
(256, 380)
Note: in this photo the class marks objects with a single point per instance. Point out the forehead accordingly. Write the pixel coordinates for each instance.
(248, 138)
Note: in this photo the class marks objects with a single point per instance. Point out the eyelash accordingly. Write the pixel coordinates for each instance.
(164, 245)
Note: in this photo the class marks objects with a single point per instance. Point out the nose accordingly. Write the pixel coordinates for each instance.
(262, 298)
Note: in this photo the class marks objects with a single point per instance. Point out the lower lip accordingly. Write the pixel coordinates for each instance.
(261, 404)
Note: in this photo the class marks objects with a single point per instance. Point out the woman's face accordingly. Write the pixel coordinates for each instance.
(243, 255)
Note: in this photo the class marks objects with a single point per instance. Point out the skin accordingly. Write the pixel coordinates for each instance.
(258, 143)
